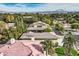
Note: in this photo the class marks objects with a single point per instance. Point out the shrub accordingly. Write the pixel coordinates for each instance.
(74, 52)
(60, 52)
(48, 30)
(59, 27)
(75, 26)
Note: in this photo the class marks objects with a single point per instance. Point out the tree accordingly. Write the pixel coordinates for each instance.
(59, 27)
(9, 18)
(47, 21)
(14, 33)
(5, 36)
(48, 47)
(2, 26)
(68, 43)
(75, 26)
(20, 25)
(48, 30)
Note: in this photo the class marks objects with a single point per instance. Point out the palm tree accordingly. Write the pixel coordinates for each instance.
(68, 43)
(75, 26)
(48, 47)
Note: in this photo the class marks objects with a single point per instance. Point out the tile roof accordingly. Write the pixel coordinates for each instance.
(35, 46)
(44, 35)
(16, 49)
(35, 28)
(22, 48)
(38, 23)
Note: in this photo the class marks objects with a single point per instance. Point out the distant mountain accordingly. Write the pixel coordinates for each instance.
(2, 11)
(56, 11)
(59, 11)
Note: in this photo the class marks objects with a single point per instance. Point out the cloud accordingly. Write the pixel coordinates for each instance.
(16, 8)
(38, 7)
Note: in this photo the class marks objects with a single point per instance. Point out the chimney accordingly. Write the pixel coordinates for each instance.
(12, 41)
(33, 38)
(1, 54)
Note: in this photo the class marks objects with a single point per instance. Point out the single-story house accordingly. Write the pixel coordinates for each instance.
(38, 27)
(43, 35)
(20, 48)
(39, 36)
(10, 25)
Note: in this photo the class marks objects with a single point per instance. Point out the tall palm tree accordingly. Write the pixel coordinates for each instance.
(68, 43)
(48, 47)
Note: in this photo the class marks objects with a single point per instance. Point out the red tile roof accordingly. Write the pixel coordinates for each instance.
(1, 45)
(35, 46)
(16, 49)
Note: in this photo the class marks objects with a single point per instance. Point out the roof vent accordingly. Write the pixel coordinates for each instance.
(33, 38)
(12, 41)
(1, 54)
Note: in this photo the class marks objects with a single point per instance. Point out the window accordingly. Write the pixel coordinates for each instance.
(39, 26)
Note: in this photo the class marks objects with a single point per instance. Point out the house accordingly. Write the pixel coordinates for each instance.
(20, 48)
(38, 27)
(61, 20)
(27, 17)
(36, 32)
(67, 26)
(39, 36)
(76, 35)
(10, 25)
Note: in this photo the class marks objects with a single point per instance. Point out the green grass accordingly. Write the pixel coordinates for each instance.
(60, 52)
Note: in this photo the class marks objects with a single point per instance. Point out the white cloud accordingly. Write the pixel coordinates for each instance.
(46, 7)
(17, 8)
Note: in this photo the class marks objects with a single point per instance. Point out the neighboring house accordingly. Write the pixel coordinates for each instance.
(76, 35)
(43, 35)
(61, 20)
(38, 27)
(39, 36)
(36, 32)
(10, 25)
(20, 48)
(67, 26)
(27, 17)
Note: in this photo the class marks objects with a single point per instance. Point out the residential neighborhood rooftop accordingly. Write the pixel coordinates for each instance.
(16, 49)
(43, 35)
(37, 26)
(21, 48)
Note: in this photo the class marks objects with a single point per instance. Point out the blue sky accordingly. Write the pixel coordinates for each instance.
(34, 7)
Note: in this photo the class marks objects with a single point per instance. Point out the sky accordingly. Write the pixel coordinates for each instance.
(35, 7)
